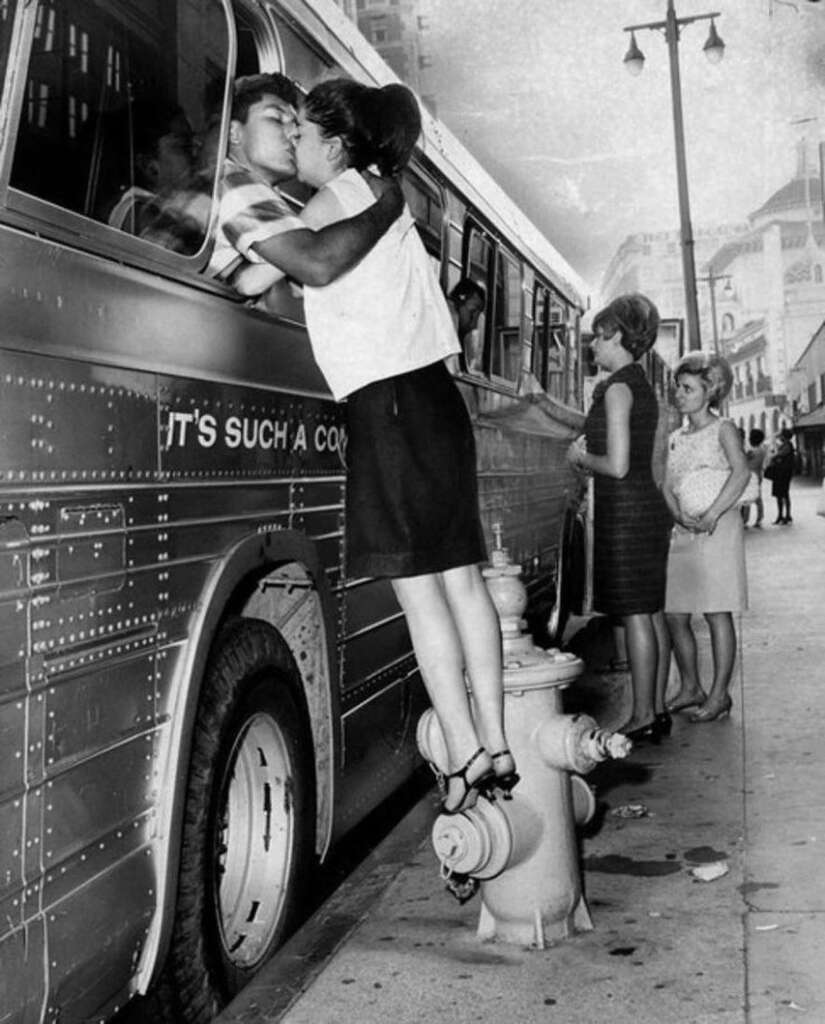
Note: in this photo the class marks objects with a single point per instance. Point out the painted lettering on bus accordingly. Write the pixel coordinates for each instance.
(250, 433)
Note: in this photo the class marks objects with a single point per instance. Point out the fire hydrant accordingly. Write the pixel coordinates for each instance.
(521, 848)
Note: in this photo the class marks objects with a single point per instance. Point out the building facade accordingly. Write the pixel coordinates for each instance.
(761, 294)
(397, 30)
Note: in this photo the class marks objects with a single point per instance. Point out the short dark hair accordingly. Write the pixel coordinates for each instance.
(635, 317)
(756, 436)
(251, 89)
(466, 289)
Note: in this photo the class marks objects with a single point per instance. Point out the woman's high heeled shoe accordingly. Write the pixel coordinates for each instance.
(471, 786)
(505, 780)
(706, 713)
(664, 723)
(650, 733)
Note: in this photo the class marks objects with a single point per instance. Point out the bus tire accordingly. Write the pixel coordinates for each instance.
(247, 844)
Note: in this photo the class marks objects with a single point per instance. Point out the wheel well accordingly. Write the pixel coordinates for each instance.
(286, 597)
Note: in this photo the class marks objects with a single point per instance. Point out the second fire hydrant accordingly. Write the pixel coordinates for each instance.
(523, 850)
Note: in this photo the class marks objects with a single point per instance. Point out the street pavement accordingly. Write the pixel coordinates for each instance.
(747, 947)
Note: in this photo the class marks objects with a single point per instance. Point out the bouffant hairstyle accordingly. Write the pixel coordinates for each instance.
(714, 372)
(250, 89)
(635, 317)
(376, 126)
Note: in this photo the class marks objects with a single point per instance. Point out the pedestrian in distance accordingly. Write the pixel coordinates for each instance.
(755, 457)
(380, 335)
(706, 474)
(778, 469)
(631, 519)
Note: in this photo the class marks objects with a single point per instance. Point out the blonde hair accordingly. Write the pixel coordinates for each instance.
(714, 372)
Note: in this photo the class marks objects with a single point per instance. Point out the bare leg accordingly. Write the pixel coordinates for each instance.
(643, 654)
(476, 622)
(723, 645)
(438, 650)
(760, 511)
(684, 649)
(662, 660)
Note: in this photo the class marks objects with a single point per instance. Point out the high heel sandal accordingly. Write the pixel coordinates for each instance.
(650, 733)
(705, 714)
(472, 787)
(506, 781)
(664, 723)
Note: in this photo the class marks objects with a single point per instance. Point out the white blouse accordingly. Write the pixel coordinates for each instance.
(385, 316)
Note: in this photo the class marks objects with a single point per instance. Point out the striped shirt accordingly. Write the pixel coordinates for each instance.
(250, 210)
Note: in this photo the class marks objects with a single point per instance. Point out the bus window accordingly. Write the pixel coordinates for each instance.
(540, 318)
(477, 268)
(113, 131)
(426, 207)
(506, 348)
(7, 10)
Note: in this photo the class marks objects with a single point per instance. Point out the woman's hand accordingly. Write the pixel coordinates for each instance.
(706, 523)
(576, 453)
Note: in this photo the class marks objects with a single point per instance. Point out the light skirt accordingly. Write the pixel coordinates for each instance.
(706, 572)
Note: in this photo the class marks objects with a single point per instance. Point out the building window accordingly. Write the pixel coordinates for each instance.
(378, 35)
(818, 273)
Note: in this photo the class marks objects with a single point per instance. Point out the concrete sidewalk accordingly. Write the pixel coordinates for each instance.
(666, 948)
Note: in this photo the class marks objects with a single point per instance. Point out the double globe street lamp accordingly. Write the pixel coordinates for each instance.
(634, 59)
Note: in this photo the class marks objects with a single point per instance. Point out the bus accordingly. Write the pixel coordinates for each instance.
(196, 702)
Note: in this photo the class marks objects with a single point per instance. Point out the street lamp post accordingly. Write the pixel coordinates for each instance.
(714, 50)
(711, 280)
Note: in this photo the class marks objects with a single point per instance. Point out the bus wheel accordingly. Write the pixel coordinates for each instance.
(248, 823)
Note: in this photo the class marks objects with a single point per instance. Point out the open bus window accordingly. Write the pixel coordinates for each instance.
(121, 114)
(506, 348)
(477, 267)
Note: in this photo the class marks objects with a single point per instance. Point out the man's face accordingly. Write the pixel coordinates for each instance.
(468, 313)
(312, 153)
(175, 151)
(265, 139)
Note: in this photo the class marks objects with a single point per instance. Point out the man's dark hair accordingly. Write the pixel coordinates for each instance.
(756, 436)
(251, 89)
(466, 289)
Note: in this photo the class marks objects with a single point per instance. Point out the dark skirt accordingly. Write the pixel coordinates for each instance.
(412, 493)
(631, 540)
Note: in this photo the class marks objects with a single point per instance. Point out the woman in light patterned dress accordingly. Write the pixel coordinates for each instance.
(706, 474)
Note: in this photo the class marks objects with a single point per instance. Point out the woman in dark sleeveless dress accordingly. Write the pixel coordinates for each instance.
(631, 519)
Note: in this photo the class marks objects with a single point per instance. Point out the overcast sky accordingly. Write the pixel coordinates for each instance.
(537, 91)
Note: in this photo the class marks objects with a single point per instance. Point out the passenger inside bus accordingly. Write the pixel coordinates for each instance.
(467, 302)
(258, 240)
(156, 156)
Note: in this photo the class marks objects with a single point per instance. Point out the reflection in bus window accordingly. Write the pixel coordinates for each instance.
(506, 354)
(109, 130)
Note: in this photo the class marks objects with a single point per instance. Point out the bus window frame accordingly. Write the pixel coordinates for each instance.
(471, 225)
(503, 252)
(46, 218)
(418, 176)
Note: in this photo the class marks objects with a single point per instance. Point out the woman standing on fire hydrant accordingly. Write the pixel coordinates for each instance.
(631, 520)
